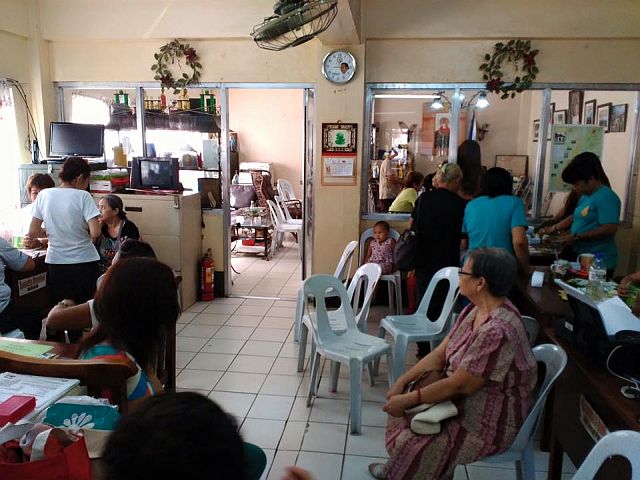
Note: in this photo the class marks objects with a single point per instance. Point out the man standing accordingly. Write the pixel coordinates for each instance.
(388, 182)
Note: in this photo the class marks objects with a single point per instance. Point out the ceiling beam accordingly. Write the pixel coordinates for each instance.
(345, 29)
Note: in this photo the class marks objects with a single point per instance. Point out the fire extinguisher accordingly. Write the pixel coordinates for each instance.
(206, 277)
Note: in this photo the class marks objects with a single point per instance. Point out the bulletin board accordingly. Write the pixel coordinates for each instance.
(338, 170)
(566, 142)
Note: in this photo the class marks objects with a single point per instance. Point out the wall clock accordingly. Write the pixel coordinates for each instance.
(339, 66)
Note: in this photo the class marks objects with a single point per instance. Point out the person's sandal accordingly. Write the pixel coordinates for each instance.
(378, 470)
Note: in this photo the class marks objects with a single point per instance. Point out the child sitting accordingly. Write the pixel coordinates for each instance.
(380, 249)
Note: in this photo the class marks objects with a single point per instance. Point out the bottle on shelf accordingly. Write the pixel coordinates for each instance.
(211, 106)
(597, 277)
(236, 179)
(163, 101)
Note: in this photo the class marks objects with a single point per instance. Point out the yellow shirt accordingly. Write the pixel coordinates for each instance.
(404, 202)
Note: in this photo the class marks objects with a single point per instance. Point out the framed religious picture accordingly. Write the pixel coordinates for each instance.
(340, 138)
(603, 113)
(560, 117)
(589, 117)
(618, 118)
(576, 98)
(536, 130)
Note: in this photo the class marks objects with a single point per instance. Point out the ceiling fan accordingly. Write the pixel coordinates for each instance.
(294, 22)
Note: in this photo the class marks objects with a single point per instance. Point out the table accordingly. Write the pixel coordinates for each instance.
(586, 384)
(60, 350)
(31, 289)
(542, 303)
(261, 232)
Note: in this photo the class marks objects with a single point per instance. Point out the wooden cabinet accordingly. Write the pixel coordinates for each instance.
(172, 225)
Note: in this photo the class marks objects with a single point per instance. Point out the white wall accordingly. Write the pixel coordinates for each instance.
(270, 127)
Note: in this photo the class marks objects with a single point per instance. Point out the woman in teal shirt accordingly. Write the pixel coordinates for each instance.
(594, 222)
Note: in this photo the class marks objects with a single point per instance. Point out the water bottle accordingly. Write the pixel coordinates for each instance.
(597, 277)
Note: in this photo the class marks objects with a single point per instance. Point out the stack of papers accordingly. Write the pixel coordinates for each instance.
(46, 390)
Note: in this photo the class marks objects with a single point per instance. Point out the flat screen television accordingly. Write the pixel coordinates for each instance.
(155, 173)
(76, 139)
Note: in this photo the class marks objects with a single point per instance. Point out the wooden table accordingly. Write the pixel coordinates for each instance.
(262, 232)
(583, 385)
(31, 289)
(60, 350)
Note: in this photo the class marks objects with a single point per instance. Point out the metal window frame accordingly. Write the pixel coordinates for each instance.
(634, 162)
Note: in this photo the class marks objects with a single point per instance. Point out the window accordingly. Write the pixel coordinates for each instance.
(9, 154)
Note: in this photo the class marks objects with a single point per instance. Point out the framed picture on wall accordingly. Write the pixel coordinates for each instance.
(618, 118)
(589, 117)
(560, 117)
(536, 130)
(576, 97)
(602, 116)
(340, 138)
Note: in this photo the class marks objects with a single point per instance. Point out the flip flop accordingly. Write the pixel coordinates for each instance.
(378, 470)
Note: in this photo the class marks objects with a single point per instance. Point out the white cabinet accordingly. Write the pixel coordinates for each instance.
(172, 225)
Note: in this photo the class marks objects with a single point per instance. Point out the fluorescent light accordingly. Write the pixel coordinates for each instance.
(405, 95)
(482, 101)
(437, 105)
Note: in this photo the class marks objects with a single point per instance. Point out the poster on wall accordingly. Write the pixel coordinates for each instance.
(566, 142)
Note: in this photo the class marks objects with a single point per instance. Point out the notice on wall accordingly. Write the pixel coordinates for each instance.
(567, 141)
(338, 170)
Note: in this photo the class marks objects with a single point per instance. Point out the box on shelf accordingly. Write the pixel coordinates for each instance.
(108, 181)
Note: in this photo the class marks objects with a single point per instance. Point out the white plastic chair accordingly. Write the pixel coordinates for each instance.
(285, 189)
(285, 211)
(394, 279)
(532, 327)
(351, 346)
(368, 274)
(282, 227)
(625, 443)
(342, 273)
(521, 451)
(417, 327)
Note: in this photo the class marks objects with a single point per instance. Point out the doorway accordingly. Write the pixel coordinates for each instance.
(270, 132)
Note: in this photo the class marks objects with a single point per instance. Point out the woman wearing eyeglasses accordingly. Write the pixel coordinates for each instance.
(485, 366)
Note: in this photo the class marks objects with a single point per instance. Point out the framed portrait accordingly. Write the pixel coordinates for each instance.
(589, 117)
(603, 113)
(576, 98)
(560, 117)
(536, 130)
(340, 138)
(618, 118)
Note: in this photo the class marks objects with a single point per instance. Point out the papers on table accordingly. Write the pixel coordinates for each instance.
(24, 348)
(46, 390)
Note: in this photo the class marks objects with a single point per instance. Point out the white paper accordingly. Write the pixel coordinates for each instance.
(537, 279)
(46, 389)
(616, 316)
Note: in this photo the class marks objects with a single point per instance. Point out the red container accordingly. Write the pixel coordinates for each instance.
(15, 408)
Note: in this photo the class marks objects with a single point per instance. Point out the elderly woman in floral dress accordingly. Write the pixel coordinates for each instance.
(488, 371)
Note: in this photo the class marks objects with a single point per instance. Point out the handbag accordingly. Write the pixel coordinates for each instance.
(404, 253)
(427, 416)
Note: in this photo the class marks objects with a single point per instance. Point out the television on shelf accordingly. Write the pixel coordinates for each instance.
(76, 139)
(155, 173)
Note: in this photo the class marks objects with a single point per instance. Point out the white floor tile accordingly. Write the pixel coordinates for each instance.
(488, 473)
(293, 434)
(373, 415)
(270, 334)
(251, 364)
(285, 366)
(370, 443)
(290, 350)
(240, 382)
(460, 473)
(258, 302)
(237, 404)
(189, 344)
(325, 437)
(243, 321)
(229, 300)
(186, 317)
(211, 361)
(255, 310)
(281, 385)
(223, 345)
(221, 308)
(265, 349)
(183, 358)
(283, 312)
(281, 460)
(210, 319)
(234, 333)
(264, 433)
(330, 410)
(325, 466)
(202, 331)
(356, 468)
(277, 322)
(197, 379)
(269, 453)
(271, 407)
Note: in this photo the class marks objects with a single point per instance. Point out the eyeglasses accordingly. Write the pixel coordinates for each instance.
(462, 272)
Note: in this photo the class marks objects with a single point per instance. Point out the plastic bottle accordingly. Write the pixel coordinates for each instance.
(236, 179)
(597, 277)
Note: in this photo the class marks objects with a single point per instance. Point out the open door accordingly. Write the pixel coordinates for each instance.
(309, 151)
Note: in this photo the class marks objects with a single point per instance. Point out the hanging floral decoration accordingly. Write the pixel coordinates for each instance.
(171, 54)
(523, 58)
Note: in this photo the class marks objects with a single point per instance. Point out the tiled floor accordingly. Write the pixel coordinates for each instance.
(240, 352)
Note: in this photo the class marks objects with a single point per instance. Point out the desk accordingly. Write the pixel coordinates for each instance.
(60, 350)
(31, 289)
(542, 303)
(584, 378)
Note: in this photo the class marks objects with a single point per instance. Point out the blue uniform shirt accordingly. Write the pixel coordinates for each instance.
(602, 207)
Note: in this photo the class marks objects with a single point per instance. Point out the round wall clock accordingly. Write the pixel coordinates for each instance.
(339, 66)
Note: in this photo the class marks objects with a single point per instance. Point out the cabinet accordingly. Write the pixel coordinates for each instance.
(171, 224)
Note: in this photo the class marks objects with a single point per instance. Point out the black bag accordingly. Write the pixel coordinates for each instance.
(404, 254)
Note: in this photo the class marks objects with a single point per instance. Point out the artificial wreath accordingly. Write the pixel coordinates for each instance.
(169, 55)
(523, 58)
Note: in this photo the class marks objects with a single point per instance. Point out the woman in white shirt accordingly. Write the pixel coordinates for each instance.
(71, 216)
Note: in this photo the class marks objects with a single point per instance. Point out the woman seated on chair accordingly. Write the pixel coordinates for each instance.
(485, 366)
(136, 305)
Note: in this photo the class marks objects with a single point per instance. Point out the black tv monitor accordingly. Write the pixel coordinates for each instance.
(76, 139)
(155, 173)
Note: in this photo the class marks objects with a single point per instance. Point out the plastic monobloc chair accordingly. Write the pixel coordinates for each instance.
(521, 451)
(417, 327)
(285, 211)
(625, 443)
(281, 226)
(393, 279)
(368, 274)
(285, 189)
(532, 327)
(342, 273)
(350, 346)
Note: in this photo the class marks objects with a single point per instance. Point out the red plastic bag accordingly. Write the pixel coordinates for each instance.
(72, 464)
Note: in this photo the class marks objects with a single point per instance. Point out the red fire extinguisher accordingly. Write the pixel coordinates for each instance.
(206, 277)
